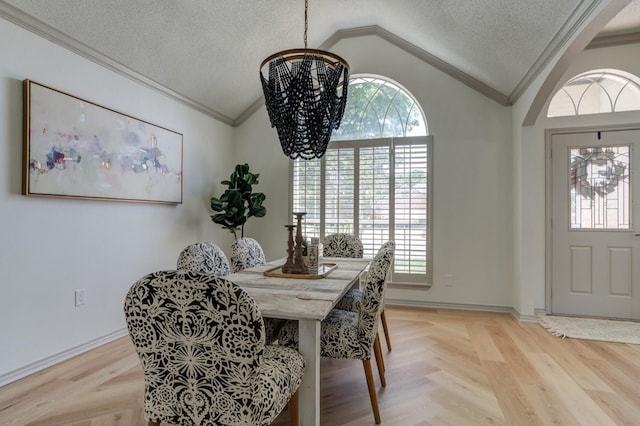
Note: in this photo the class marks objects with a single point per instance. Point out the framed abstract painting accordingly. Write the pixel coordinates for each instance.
(76, 148)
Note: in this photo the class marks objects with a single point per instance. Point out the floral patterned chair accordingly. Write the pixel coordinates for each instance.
(207, 258)
(200, 339)
(342, 245)
(351, 300)
(246, 253)
(352, 335)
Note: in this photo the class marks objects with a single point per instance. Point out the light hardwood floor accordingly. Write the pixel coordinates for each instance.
(446, 368)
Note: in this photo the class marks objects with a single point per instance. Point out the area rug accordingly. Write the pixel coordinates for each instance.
(592, 329)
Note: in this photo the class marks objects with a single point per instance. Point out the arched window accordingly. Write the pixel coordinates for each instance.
(597, 91)
(378, 108)
(375, 178)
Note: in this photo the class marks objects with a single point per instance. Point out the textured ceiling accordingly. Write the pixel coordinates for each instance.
(209, 51)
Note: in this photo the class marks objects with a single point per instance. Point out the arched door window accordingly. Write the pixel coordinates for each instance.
(375, 178)
(597, 91)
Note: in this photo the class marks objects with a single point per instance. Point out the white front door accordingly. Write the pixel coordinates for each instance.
(595, 228)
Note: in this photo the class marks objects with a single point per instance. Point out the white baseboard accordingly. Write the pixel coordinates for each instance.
(34, 367)
(463, 307)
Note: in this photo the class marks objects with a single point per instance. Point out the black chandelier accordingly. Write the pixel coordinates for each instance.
(305, 95)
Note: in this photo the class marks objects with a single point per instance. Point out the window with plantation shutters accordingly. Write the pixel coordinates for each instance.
(374, 180)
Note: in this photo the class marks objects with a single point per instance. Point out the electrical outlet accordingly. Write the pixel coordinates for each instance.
(81, 297)
(448, 280)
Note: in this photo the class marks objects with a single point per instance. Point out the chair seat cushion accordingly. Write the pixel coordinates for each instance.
(350, 301)
(279, 376)
(272, 328)
(338, 336)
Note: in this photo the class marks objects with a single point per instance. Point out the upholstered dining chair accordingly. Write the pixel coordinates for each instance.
(246, 253)
(200, 339)
(351, 300)
(351, 335)
(204, 257)
(342, 245)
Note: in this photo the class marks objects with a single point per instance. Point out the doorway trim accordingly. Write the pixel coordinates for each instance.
(548, 137)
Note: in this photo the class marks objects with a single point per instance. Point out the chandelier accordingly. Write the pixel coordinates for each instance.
(305, 92)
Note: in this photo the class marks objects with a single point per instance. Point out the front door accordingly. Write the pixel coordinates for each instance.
(595, 224)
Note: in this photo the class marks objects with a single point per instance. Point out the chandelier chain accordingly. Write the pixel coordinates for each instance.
(306, 25)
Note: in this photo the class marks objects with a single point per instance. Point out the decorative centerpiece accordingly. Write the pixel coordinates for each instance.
(287, 268)
(315, 256)
(298, 264)
(295, 266)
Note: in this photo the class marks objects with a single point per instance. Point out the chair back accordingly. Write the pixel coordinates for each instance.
(200, 339)
(342, 245)
(246, 253)
(206, 258)
(372, 297)
(389, 244)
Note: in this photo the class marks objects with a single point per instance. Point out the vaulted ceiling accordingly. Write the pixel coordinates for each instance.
(207, 53)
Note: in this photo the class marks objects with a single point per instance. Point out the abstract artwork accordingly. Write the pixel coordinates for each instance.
(76, 148)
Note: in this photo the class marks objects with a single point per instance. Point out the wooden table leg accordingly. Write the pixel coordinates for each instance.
(309, 393)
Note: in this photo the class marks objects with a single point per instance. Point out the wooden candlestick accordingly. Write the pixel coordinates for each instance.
(288, 266)
(298, 265)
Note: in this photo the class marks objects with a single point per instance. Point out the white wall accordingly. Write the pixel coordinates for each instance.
(472, 224)
(51, 246)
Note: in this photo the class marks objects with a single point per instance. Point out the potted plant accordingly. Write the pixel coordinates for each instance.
(238, 202)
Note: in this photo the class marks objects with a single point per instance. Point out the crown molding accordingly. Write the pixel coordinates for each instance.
(614, 40)
(425, 56)
(29, 23)
(577, 18)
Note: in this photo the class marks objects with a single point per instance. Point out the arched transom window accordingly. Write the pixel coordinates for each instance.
(597, 91)
(378, 108)
(375, 179)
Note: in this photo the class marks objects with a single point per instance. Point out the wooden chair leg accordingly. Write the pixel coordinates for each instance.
(153, 423)
(372, 389)
(293, 403)
(386, 329)
(377, 350)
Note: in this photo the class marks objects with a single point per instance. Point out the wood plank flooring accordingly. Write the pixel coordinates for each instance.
(446, 368)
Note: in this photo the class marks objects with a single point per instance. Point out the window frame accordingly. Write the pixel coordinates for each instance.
(396, 279)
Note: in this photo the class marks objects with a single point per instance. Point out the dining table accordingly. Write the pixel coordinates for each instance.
(307, 299)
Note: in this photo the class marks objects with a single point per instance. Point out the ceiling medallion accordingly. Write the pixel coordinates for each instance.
(305, 94)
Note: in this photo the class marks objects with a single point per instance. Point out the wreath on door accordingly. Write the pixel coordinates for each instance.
(596, 171)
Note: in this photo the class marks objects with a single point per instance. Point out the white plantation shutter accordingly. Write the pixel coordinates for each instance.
(306, 182)
(378, 187)
(339, 191)
(411, 212)
(374, 198)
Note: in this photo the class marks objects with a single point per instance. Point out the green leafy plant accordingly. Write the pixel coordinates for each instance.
(238, 202)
